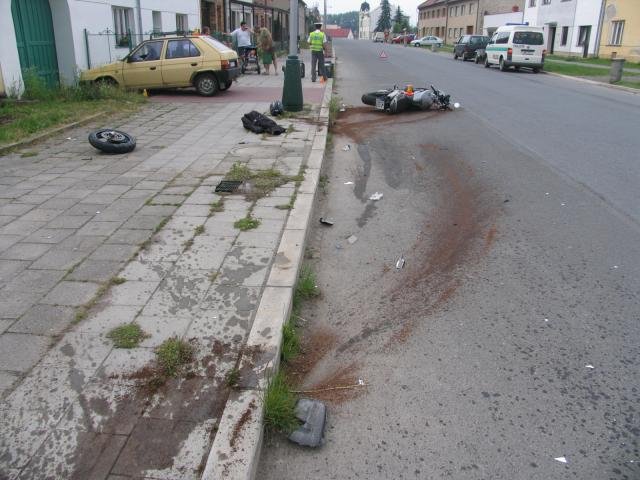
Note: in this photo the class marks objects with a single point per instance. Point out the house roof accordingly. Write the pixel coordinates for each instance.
(338, 32)
(430, 3)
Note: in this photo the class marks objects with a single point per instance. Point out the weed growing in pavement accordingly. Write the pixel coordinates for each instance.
(334, 108)
(306, 288)
(217, 206)
(187, 244)
(213, 276)
(231, 379)
(161, 225)
(323, 183)
(172, 355)
(28, 154)
(199, 230)
(279, 405)
(239, 172)
(306, 110)
(290, 341)
(247, 223)
(128, 335)
(117, 280)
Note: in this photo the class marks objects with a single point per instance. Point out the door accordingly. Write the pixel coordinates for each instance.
(181, 60)
(142, 67)
(552, 39)
(34, 38)
(583, 39)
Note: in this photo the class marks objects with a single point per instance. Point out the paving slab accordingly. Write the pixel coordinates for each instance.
(81, 408)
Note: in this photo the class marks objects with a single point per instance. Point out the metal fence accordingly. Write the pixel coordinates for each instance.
(107, 46)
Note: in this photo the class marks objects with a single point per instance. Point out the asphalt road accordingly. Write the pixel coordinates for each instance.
(511, 336)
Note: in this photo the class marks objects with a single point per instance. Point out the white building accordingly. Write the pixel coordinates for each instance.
(491, 23)
(59, 37)
(364, 22)
(570, 26)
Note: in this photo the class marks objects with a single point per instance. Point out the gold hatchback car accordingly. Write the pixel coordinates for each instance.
(172, 62)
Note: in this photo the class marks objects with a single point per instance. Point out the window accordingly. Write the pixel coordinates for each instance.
(181, 49)
(157, 21)
(470, 8)
(147, 52)
(583, 35)
(617, 28)
(462, 10)
(451, 11)
(565, 35)
(122, 25)
(527, 38)
(450, 33)
(532, 3)
(182, 22)
(546, 2)
(456, 10)
(502, 37)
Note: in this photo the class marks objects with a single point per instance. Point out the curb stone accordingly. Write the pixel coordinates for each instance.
(594, 82)
(235, 452)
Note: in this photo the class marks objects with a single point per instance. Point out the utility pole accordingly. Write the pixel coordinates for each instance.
(292, 89)
(324, 17)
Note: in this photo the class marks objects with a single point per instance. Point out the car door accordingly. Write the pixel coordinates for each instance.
(142, 66)
(182, 58)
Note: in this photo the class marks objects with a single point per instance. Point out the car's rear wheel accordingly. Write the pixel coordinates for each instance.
(106, 81)
(206, 84)
(455, 56)
(477, 59)
(226, 85)
(503, 66)
(370, 98)
(486, 62)
(536, 70)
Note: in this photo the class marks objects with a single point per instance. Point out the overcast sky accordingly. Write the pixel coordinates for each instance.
(408, 7)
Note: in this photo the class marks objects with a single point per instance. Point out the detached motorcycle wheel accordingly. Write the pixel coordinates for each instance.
(112, 141)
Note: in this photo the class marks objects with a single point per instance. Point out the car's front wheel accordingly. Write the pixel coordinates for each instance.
(206, 84)
(455, 56)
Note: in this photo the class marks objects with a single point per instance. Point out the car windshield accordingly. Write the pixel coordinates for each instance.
(216, 44)
(528, 38)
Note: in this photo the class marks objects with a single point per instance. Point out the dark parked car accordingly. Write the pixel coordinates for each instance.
(467, 45)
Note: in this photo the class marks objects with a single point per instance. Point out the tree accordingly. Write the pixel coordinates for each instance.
(400, 21)
(345, 20)
(384, 22)
(313, 16)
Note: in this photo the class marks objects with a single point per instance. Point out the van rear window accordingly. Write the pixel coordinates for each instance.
(528, 38)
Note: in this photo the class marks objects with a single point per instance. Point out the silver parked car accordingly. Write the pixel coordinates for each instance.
(428, 40)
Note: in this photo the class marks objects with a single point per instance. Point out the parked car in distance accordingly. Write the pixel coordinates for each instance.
(172, 62)
(428, 40)
(401, 38)
(378, 37)
(467, 45)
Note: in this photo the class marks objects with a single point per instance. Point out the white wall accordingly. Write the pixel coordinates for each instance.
(499, 19)
(9, 60)
(572, 14)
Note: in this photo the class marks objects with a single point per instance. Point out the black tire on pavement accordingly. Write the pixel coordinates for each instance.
(370, 98)
(206, 84)
(503, 66)
(486, 62)
(477, 59)
(536, 70)
(112, 141)
(455, 56)
(226, 85)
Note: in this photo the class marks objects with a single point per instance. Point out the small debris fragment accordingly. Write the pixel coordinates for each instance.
(346, 148)
(546, 193)
(456, 105)
(561, 459)
(589, 366)
(546, 319)
(338, 246)
(98, 212)
(326, 221)
(352, 239)
(615, 267)
(400, 262)
(376, 196)
(313, 414)
(360, 381)
(563, 204)
(348, 183)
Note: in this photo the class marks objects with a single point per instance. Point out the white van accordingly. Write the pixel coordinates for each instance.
(516, 46)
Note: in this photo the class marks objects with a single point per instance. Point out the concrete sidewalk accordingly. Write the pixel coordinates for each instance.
(89, 242)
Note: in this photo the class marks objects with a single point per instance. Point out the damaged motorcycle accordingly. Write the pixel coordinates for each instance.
(397, 100)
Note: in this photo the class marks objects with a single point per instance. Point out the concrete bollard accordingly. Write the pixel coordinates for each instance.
(615, 74)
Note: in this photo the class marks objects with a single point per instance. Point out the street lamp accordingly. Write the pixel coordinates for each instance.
(292, 88)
